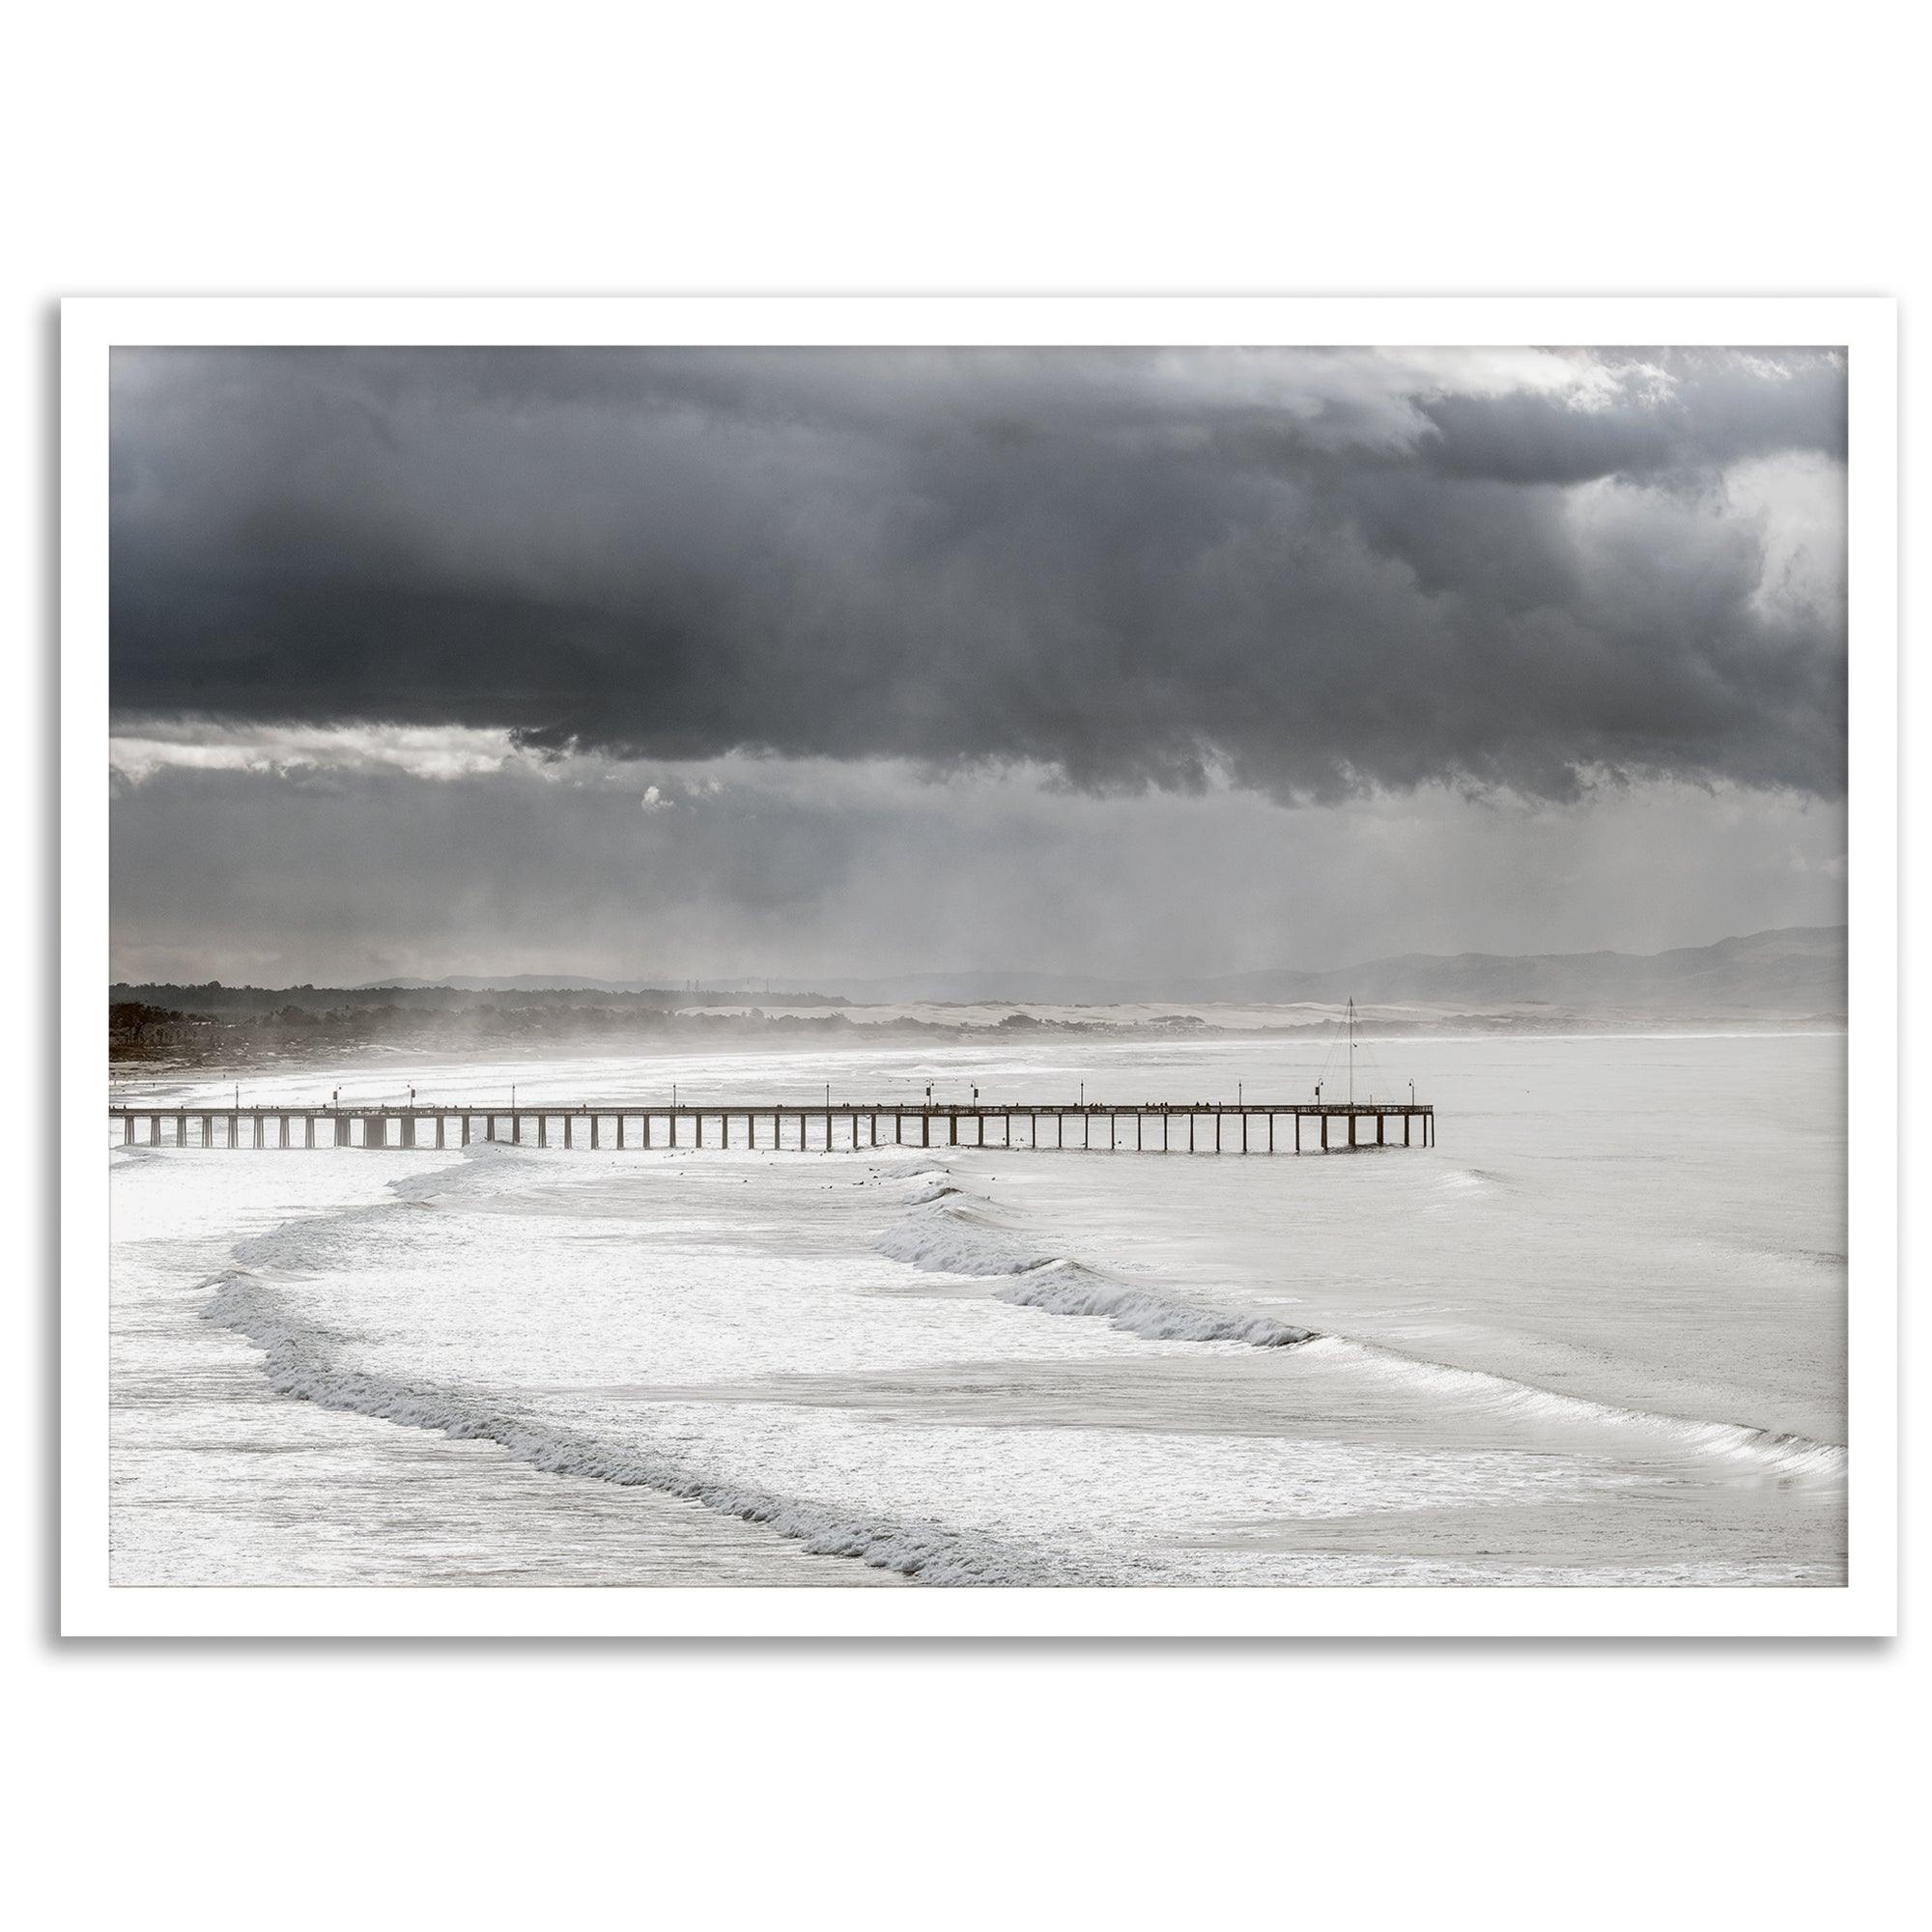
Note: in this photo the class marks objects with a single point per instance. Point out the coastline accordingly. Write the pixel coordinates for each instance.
(835, 1341)
(861, 1036)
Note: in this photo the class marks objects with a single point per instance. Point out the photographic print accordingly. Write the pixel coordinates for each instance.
(1189, 968)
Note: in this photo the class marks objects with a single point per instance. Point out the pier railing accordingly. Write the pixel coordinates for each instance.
(1321, 1127)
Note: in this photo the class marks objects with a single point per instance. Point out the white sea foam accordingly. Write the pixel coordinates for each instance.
(300, 1361)
(1063, 1288)
(930, 1187)
(946, 1235)
(950, 1232)
(922, 1168)
(1568, 1305)
(1772, 1451)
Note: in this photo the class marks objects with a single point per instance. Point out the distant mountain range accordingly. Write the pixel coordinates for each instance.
(1793, 971)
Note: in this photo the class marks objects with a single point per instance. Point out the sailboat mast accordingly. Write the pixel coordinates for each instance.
(1351, 1052)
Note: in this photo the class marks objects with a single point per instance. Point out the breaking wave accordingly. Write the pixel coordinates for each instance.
(945, 1234)
(931, 1187)
(1772, 1451)
(944, 1229)
(1064, 1288)
(950, 1231)
(304, 1359)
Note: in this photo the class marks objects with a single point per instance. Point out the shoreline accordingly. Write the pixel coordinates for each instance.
(1484, 1421)
(890, 1036)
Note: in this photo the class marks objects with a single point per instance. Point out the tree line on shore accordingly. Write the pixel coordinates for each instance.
(212, 997)
(139, 1030)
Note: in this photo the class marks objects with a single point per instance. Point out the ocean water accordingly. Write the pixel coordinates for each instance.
(1594, 1336)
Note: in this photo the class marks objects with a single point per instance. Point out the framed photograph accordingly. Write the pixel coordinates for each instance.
(980, 966)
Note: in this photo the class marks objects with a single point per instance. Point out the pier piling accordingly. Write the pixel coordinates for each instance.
(169, 1127)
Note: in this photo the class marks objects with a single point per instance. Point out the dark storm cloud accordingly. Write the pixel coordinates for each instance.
(1322, 572)
(808, 870)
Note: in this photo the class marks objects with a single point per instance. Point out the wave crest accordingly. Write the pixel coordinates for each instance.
(1064, 1287)
(949, 1232)
(301, 1362)
(1772, 1451)
(944, 1235)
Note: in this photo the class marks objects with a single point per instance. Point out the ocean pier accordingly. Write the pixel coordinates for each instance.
(1249, 1127)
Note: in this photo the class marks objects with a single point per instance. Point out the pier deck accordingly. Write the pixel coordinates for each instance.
(1156, 1128)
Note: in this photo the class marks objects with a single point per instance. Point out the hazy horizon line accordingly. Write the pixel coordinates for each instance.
(563, 980)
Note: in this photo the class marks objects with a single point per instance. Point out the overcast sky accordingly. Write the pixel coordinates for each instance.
(795, 663)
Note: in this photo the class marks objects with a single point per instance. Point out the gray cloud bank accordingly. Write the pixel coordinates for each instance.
(809, 871)
(1308, 574)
